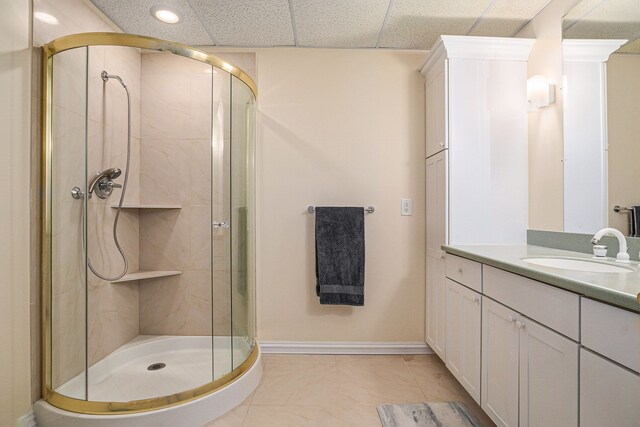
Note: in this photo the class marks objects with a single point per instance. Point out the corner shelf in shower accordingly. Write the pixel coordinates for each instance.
(142, 275)
(143, 206)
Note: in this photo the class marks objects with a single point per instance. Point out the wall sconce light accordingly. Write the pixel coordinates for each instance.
(540, 93)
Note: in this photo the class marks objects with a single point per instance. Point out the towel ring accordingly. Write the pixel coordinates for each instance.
(368, 209)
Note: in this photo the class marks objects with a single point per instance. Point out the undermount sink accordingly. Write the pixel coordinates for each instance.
(579, 264)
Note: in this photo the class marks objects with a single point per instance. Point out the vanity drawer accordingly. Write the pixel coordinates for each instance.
(553, 307)
(612, 332)
(464, 271)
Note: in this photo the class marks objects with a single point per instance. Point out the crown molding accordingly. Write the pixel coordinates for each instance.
(585, 50)
(481, 48)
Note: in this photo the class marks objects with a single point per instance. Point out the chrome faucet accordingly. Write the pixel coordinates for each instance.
(622, 256)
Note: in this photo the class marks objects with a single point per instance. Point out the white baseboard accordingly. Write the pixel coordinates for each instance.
(28, 419)
(314, 347)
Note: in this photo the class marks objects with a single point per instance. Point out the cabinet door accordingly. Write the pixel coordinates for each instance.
(500, 354)
(548, 377)
(609, 394)
(436, 237)
(435, 97)
(436, 302)
(436, 200)
(463, 316)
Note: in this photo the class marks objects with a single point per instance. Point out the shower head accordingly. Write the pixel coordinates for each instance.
(106, 76)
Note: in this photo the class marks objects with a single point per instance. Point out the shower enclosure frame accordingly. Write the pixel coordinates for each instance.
(48, 394)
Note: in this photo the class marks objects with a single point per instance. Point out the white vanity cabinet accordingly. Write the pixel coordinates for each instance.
(538, 355)
(529, 372)
(609, 393)
(609, 381)
(463, 314)
(500, 354)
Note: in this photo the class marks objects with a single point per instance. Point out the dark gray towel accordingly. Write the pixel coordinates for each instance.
(242, 248)
(634, 221)
(340, 255)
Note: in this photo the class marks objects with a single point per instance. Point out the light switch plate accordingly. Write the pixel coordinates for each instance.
(405, 207)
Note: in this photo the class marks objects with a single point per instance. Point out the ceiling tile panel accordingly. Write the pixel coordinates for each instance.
(339, 23)
(417, 24)
(506, 17)
(246, 22)
(613, 19)
(135, 17)
(579, 11)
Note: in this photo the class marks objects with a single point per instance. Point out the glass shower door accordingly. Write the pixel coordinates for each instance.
(241, 207)
(221, 225)
(67, 212)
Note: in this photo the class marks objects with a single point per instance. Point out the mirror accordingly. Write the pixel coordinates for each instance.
(601, 116)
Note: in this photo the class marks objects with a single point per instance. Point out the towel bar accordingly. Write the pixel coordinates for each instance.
(617, 208)
(368, 209)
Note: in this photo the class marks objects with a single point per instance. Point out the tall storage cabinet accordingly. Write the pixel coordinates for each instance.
(476, 148)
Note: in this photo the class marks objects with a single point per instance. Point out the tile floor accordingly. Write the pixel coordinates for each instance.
(336, 391)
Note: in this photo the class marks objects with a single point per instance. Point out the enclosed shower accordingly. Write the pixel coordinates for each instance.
(148, 225)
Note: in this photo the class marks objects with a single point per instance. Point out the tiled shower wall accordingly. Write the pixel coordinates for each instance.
(113, 309)
(176, 156)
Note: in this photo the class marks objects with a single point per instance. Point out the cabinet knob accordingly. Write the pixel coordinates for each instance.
(519, 324)
(476, 299)
(510, 318)
(442, 256)
(460, 270)
(441, 143)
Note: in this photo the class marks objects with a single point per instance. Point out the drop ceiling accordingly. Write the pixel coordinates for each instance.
(605, 19)
(399, 24)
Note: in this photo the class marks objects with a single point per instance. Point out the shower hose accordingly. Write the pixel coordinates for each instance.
(106, 77)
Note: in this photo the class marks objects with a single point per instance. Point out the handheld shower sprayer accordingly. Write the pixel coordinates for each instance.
(101, 183)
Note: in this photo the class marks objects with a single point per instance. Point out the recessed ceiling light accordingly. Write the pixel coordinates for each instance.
(46, 18)
(165, 15)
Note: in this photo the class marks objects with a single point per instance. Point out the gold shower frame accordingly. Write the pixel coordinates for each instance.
(48, 394)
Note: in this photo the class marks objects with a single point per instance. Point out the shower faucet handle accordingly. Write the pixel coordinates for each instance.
(220, 224)
(110, 184)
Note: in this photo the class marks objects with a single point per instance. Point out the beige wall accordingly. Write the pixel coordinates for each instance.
(545, 125)
(340, 127)
(623, 110)
(15, 105)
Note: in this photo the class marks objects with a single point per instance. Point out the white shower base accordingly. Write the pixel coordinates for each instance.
(123, 376)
